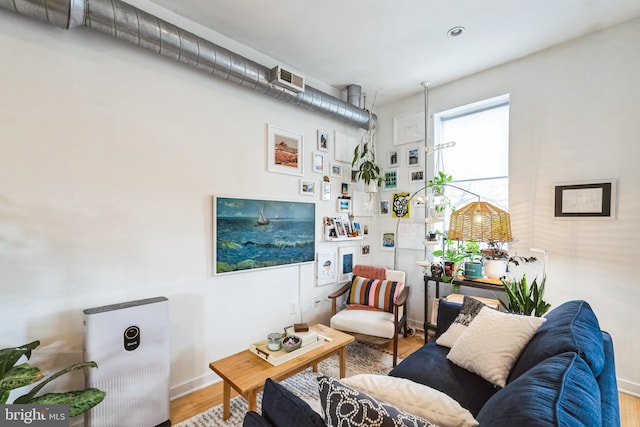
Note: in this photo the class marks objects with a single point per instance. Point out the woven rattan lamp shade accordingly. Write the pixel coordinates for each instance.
(480, 222)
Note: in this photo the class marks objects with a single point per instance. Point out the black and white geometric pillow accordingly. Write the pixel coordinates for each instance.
(346, 407)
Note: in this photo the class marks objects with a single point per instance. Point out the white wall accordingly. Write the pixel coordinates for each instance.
(109, 160)
(573, 116)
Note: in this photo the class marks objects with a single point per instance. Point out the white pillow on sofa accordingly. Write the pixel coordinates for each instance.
(414, 398)
(492, 343)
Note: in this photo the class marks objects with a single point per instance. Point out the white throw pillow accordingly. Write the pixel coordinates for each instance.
(416, 399)
(492, 343)
(470, 309)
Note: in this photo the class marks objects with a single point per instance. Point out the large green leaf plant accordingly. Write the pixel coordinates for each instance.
(523, 298)
(13, 375)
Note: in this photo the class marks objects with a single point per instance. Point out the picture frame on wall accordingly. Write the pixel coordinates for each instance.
(388, 241)
(344, 205)
(284, 150)
(408, 128)
(336, 170)
(323, 141)
(400, 206)
(326, 191)
(393, 159)
(347, 258)
(585, 199)
(414, 157)
(327, 268)
(390, 181)
(416, 176)
(365, 250)
(318, 162)
(307, 188)
(384, 207)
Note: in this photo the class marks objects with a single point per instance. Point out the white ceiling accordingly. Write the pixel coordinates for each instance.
(393, 46)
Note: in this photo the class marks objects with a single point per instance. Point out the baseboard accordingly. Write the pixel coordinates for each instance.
(629, 387)
(190, 386)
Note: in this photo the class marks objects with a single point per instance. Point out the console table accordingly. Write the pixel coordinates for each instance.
(484, 283)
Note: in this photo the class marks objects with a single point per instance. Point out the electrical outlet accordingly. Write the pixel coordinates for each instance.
(293, 307)
(317, 302)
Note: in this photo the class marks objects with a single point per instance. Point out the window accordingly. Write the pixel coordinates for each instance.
(479, 161)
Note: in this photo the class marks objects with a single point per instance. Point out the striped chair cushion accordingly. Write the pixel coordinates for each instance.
(379, 294)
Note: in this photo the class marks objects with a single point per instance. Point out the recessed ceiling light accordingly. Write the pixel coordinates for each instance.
(455, 31)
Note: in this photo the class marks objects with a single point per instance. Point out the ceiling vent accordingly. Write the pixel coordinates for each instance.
(287, 79)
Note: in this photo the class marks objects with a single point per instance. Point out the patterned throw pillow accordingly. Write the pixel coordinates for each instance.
(470, 309)
(346, 407)
(379, 294)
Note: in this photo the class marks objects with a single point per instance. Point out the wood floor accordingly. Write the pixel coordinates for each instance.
(201, 400)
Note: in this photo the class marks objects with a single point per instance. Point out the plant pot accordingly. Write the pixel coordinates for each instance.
(436, 271)
(495, 268)
(372, 187)
(473, 270)
(450, 269)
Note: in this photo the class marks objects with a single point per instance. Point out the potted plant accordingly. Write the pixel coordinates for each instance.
(437, 185)
(525, 299)
(473, 260)
(13, 375)
(367, 170)
(497, 259)
(452, 254)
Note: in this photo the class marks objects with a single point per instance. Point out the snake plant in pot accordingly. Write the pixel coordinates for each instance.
(14, 375)
(525, 299)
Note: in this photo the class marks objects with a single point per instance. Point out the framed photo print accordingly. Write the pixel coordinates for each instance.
(284, 151)
(318, 162)
(327, 268)
(408, 128)
(585, 199)
(414, 157)
(344, 188)
(325, 190)
(307, 188)
(392, 159)
(346, 261)
(384, 207)
(336, 170)
(400, 206)
(416, 176)
(365, 250)
(390, 180)
(323, 141)
(344, 205)
(388, 241)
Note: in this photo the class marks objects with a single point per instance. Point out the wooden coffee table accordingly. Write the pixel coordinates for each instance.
(247, 373)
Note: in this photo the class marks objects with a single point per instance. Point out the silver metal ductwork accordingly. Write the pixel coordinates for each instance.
(125, 22)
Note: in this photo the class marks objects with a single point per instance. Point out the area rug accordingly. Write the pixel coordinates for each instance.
(361, 359)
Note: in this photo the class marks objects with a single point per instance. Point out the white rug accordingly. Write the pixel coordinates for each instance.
(360, 360)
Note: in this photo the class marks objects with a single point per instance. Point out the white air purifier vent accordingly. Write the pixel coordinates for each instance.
(287, 79)
(130, 344)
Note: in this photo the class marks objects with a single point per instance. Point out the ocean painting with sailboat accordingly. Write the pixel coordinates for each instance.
(251, 233)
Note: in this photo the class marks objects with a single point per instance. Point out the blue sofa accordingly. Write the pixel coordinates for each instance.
(565, 376)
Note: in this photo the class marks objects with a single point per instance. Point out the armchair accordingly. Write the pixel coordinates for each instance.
(373, 317)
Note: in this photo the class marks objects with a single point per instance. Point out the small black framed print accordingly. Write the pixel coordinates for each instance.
(585, 199)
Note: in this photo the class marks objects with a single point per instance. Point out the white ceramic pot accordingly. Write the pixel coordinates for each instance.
(495, 268)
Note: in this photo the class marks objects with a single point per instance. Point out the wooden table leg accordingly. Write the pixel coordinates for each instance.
(314, 367)
(251, 399)
(343, 361)
(226, 400)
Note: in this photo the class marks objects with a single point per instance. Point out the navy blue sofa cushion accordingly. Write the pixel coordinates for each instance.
(429, 366)
(282, 408)
(447, 313)
(608, 385)
(253, 419)
(572, 326)
(560, 391)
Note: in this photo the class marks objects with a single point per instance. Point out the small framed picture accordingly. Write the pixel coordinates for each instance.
(414, 157)
(392, 159)
(416, 176)
(323, 141)
(384, 207)
(327, 268)
(344, 205)
(345, 188)
(285, 151)
(318, 162)
(354, 177)
(390, 180)
(357, 228)
(585, 199)
(340, 231)
(346, 261)
(326, 190)
(365, 229)
(365, 250)
(336, 170)
(388, 241)
(307, 188)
